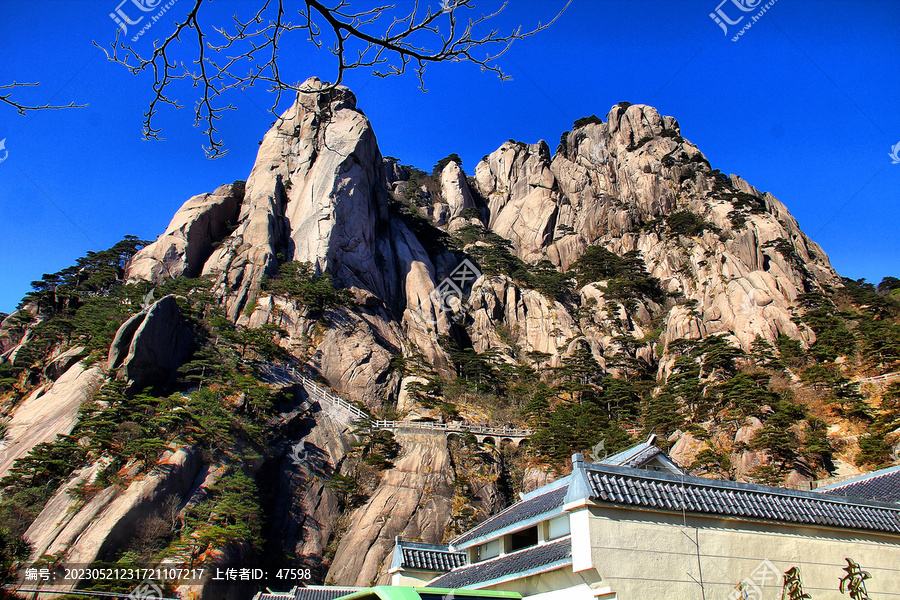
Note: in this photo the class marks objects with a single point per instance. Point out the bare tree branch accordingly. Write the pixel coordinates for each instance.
(23, 109)
(374, 38)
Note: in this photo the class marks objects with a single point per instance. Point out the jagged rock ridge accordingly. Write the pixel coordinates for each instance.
(321, 193)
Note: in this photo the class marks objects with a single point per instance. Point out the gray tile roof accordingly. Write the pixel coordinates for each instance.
(424, 557)
(639, 455)
(529, 559)
(308, 593)
(662, 491)
(323, 592)
(883, 486)
(633, 457)
(518, 512)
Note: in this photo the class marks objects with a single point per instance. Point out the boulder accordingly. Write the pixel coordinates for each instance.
(109, 520)
(158, 342)
(62, 362)
(200, 224)
(685, 450)
(746, 461)
(455, 190)
(118, 349)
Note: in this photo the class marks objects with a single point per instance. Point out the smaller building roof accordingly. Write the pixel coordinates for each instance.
(522, 514)
(645, 455)
(425, 557)
(313, 592)
(882, 485)
(536, 559)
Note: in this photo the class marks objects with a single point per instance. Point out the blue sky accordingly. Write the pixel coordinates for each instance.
(804, 105)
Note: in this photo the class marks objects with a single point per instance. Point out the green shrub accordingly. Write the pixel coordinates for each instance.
(296, 280)
(593, 119)
(626, 276)
(684, 222)
(644, 140)
(873, 450)
(452, 157)
(471, 213)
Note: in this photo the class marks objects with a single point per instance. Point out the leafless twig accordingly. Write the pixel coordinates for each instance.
(22, 108)
(377, 38)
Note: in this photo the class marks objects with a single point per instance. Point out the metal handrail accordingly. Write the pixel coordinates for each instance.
(449, 428)
(320, 393)
(877, 378)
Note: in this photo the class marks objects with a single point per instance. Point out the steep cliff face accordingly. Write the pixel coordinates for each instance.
(615, 184)
(316, 194)
(418, 498)
(306, 512)
(721, 257)
(319, 193)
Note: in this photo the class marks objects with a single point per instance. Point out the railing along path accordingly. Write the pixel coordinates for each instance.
(877, 378)
(318, 393)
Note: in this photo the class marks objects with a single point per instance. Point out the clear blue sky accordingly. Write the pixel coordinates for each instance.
(804, 105)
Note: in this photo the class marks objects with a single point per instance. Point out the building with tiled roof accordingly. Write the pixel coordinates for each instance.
(883, 486)
(646, 456)
(649, 531)
(312, 592)
(414, 563)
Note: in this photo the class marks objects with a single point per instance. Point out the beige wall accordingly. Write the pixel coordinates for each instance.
(410, 577)
(560, 579)
(643, 555)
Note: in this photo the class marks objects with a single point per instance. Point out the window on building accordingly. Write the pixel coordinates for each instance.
(558, 527)
(489, 550)
(523, 539)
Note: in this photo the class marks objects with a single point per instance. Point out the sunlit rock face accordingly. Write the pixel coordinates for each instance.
(608, 183)
(321, 193)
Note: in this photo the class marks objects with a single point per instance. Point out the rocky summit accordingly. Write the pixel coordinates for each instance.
(612, 288)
